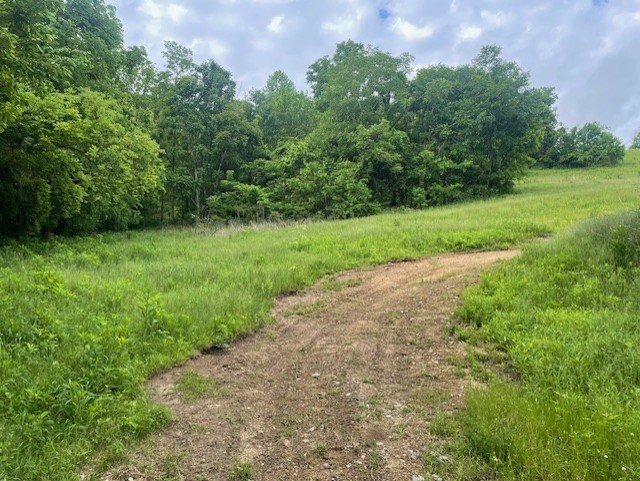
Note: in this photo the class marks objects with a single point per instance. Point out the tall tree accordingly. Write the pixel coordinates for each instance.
(74, 163)
(203, 131)
(282, 112)
(477, 126)
(360, 84)
(587, 146)
(91, 28)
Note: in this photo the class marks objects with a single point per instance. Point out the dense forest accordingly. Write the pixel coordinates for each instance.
(93, 136)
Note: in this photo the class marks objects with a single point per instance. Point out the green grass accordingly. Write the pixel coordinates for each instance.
(83, 322)
(193, 386)
(567, 315)
(242, 472)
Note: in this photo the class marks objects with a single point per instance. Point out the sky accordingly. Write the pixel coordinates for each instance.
(587, 50)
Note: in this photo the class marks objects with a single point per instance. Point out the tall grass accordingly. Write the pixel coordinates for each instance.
(84, 321)
(567, 315)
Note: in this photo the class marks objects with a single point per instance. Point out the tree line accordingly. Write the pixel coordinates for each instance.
(93, 136)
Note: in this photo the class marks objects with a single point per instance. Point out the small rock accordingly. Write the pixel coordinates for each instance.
(315, 374)
(326, 466)
(417, 478)
(435, 477)
(312, 429)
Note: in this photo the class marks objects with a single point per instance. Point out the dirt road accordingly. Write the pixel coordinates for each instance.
(342, 387)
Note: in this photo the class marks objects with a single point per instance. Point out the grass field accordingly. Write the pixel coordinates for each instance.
(566, 315)
(84, 321)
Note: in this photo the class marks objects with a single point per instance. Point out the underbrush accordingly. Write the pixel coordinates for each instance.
(566, 314)
(83, 322)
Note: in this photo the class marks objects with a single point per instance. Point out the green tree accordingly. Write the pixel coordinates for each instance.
(74, 163)
(60, 142)
(360, 84)
(476, 127)
(302, 182)
(382, 155)
(587, 146)
(594, 146)
(282, 112)
(635, 143)
(203, 131)
(91, 29)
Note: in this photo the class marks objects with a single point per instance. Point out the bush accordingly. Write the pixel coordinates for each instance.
(588, 146)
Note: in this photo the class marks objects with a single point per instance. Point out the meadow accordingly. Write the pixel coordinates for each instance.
(84, 321)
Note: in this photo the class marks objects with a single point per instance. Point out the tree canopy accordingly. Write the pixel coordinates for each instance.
(73, 158)
(93, 136)
(591, 145)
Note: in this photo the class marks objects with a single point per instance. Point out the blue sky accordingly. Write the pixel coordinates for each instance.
(588, 50)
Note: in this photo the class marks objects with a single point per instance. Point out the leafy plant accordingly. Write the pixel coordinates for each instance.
(242, 472)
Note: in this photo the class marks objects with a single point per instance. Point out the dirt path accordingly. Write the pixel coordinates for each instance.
(342, 387)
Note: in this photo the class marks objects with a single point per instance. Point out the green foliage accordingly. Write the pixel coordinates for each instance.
(566, 314)
(373, 138)
(204, 134)
(239, 201)
(477, 126)
(302, 182)
(98, 48)
(588, 146)
(635, 143)
(282, 112)
(73, 162)
(242, 472)
(193, 386)
(359, 84)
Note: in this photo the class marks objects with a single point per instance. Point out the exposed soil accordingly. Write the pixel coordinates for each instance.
(342, 387)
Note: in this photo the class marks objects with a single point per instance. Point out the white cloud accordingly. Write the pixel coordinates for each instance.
(410, 31)
(276, 24)
(176, 12)
(469, 32)
(341, 26)
(263, 45)
(213, 47)
(272, 2)
(347, 23)
(495, 19)
(159, 11)
(150, 8)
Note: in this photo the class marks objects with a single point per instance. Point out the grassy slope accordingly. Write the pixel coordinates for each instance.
(566, 314)
(83, 321)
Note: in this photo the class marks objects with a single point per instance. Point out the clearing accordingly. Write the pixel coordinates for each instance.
(342, 386)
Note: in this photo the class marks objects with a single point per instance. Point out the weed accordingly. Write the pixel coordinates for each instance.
(302, 309)
(242, 472)
(443, 425)
(399, 431)
(289, 427)
(192, 386)
(334, 284)
(375, 461)
(370, 409)
(320, 451)
(171, 467)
